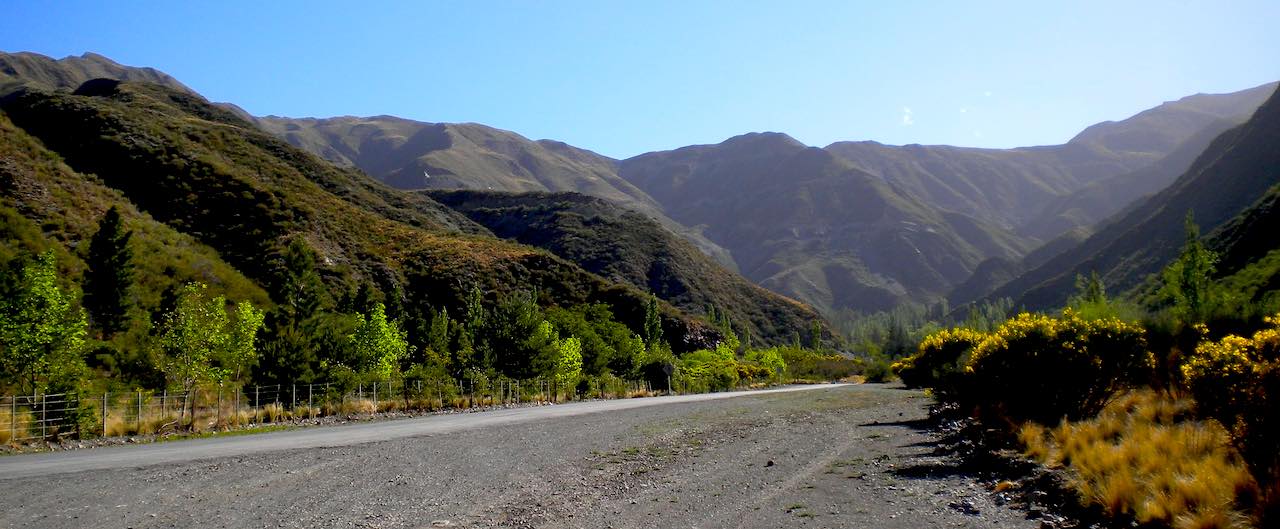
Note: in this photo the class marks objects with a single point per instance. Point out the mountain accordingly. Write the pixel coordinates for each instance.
(627, 247)
(39, 71)
(1102, 198)
(219, 181)
(857, 225)
(802, 221)
(1032, 191)
(1228, 187)
(409, 154)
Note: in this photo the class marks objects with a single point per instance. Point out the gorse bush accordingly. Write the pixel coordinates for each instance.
(1236, 380)
(1042, 368)
(939, 361)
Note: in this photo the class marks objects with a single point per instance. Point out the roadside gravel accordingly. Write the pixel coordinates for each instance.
(850, 456)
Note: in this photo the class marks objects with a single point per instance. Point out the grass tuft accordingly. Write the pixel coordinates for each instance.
(1144, 457)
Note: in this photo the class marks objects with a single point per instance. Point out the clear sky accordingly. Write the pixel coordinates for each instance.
(623, 78)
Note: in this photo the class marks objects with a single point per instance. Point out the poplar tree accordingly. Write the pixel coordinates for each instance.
(1188, 281)
(379, 344)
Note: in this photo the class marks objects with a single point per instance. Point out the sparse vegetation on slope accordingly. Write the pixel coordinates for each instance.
(627, 247)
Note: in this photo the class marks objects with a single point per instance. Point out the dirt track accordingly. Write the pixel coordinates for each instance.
(850, 456)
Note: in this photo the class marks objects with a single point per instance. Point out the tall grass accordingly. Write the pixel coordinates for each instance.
(1147, 458)
(22, 419)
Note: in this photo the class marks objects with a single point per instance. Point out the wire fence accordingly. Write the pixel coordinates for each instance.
(212, 408)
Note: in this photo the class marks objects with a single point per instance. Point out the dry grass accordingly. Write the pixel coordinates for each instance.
(7, 422)
(1145, 457)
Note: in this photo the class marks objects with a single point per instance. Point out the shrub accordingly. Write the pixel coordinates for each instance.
(811, 365)
(1040, 368)
(1236, 380)
(706, 370)
(939, 361)
(876, 369)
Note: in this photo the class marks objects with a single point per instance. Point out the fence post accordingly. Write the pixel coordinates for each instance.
(294, 388)
(309, 390)
(219, 419)
(44, 416)
(138, 419)
(13, 418)
(256, 388)
(104, 413)
(375, 398)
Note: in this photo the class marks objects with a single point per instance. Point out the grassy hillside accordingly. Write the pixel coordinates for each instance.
(45, 205)
(39, 71)
(206, 173)
(1236, 171)
(627, 247)
(410, 154)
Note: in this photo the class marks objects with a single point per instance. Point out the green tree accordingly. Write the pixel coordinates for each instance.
(815, 334)
(202, 343)
(509, 339)
(438, 338)
(474, 314)
(1089, 289)
(652, 322)
(769, 358)
(568, 365)
(1188, 281)
(461, 350)
(378, 344)
(108, 282)
(42, 333)
(292, 341)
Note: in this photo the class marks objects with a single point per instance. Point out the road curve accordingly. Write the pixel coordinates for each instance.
(133, 456)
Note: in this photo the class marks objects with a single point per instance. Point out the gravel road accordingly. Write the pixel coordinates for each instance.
(831, 456)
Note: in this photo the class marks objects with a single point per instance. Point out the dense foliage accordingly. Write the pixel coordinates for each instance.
(42, 331)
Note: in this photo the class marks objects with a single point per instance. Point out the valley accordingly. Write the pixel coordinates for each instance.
(1077, 334)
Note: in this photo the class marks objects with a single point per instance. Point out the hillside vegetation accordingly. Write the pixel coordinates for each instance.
(409, 154)
(627, 247)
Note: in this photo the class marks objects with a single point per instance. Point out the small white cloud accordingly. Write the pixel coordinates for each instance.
(964, 110)
(977, 133)
(987, 93)
(907, 120)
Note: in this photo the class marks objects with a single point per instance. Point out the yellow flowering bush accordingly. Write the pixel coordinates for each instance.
(1236, 380)
(938, 360)
(1043, 368)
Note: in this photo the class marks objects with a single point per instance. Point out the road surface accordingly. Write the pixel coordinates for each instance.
(816, 456)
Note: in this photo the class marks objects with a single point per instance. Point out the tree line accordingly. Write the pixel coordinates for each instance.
(52, 339)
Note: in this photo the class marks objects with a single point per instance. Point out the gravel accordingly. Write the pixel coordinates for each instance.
(850, 456)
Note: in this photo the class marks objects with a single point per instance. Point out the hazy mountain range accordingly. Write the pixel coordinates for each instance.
(853, 225)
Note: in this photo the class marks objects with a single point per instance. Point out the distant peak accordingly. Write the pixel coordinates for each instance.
(766, 138)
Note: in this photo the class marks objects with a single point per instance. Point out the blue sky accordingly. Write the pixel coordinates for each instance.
(626, 78)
